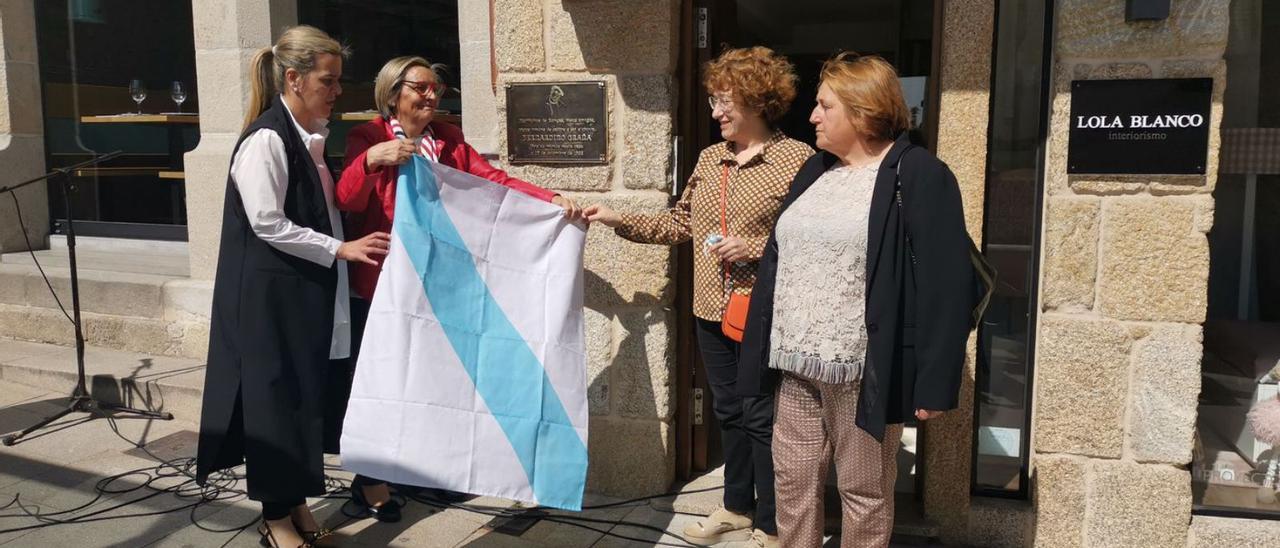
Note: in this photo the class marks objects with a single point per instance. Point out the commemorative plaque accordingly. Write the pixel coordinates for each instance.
(1148, 127)
(556, 123)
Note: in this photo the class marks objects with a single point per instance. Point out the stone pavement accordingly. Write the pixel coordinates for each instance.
(61, 474)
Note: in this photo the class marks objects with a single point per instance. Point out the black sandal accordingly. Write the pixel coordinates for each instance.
(269, 541)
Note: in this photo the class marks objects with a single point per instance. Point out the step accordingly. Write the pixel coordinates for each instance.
(177, 337)
(144, 381)
(161, 261)
(97, 243)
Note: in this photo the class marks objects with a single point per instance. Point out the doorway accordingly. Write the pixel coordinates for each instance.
(808, 32)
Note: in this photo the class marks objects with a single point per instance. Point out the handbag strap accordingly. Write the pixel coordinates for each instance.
(724, 223)
(897, 191)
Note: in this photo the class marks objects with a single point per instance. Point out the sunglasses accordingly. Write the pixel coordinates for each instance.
(433, 89)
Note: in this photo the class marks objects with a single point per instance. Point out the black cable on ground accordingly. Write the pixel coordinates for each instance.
(221, 488)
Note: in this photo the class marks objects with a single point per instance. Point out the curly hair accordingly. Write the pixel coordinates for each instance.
(869, 89)
(760, 79)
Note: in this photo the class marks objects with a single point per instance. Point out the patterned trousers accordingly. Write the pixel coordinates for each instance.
(814, 423)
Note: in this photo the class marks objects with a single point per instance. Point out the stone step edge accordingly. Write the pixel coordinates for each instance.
(182, 401)
(186, 338)
(180, 297)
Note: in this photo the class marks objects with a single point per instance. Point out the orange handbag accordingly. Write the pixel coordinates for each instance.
(734, 320)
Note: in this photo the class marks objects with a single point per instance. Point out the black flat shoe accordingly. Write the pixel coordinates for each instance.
(387, 512)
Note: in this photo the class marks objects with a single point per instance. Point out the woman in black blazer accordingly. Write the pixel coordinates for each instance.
(861, 308)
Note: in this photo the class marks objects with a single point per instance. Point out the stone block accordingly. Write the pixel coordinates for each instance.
(1120, 71)
(1216, 532)
(224, 90)
(473, 22)
(118, 293)
(1055, 174)
(1155, 264)
(1178, 186)
(630, 458)
(206, 178)
(1137, 505)
(188, 300)
(481, 122)
(648, 106)
(20, 99)
(599, 329)
(232, 24)
(1082, 378)
(23, 158)
(965, 84)
(145, 335)
(576, 178)
(1070, 253)
(612, 36)
(1095, 187)
(1164, 396)
(997, 523)
(1059, 495)
(18, 31)
(192, 338)
(643, 365)
(517, 35)
(619, 272)
(1097, 29)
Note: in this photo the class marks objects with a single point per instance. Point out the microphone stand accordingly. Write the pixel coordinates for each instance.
(80, 401)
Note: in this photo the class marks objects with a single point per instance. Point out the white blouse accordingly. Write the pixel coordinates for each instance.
(819, 303)
(261, 175)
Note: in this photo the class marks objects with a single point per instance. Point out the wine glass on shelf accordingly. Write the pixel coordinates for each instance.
(178, 93)
(138, 92)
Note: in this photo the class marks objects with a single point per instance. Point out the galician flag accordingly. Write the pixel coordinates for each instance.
(472, 370)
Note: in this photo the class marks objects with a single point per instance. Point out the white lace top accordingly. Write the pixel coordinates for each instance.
(819, 306)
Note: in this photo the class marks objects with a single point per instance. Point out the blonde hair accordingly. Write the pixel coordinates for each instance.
(386, 88)
(762, 80)
(868, 87)
(296, 49)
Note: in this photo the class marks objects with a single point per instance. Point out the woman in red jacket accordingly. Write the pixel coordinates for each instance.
(406, 93)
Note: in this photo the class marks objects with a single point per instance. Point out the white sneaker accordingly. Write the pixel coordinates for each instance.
(721, 526)
(760, 539)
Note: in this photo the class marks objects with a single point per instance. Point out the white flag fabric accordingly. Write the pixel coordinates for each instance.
(472, 370)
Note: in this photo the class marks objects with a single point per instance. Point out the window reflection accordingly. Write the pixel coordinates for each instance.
(1017, 119)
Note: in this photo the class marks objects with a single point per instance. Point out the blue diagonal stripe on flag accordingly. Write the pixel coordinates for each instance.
(505, 371)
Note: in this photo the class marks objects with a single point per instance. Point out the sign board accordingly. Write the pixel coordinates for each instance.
(556, 123)
(1127, 127)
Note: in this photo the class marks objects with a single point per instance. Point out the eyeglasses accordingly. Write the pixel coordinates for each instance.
(725, 103)
(433, 89)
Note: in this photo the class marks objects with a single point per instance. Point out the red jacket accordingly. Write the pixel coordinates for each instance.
(369, 197)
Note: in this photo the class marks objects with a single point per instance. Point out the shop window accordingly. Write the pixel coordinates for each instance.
(1015, 170)
(377, 31)
(102, 64)
(1235, 465)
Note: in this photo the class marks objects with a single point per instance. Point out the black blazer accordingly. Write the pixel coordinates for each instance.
(917, 314)
(270, 329)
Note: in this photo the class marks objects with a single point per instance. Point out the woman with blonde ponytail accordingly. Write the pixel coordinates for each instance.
(280, 334)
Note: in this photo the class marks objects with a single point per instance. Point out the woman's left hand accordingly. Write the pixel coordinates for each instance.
(926, 414)
(730, 249)
(571, 209)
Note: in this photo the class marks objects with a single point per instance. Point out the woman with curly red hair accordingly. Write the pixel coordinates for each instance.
(729, 207)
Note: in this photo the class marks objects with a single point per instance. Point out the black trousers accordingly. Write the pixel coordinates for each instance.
(746, 430)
